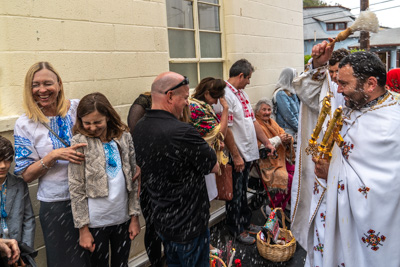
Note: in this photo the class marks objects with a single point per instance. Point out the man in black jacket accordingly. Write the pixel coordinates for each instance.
(174, 159)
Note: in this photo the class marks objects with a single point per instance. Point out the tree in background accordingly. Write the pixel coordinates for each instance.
(308, 3)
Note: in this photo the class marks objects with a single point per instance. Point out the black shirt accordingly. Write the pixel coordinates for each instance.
(174, 159)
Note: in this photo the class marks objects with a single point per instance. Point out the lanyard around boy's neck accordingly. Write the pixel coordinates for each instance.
(3, 194)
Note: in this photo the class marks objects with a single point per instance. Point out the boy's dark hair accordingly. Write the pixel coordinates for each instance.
(338, 55)
(6, 149)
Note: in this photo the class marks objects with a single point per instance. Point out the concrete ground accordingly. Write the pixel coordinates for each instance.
(249, 254)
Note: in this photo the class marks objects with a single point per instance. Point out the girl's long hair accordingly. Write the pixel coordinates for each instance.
(98, 102)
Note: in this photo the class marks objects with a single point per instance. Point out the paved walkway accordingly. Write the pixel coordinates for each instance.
(248, 253)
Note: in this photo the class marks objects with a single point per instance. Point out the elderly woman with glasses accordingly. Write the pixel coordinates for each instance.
(277, 172)
(42, 152)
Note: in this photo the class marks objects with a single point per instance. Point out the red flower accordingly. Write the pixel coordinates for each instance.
(238, 263)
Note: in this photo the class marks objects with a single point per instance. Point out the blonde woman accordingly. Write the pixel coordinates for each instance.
(42, 152)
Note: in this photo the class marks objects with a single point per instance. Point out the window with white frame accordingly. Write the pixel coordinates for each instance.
(194, 36)
(336, 26)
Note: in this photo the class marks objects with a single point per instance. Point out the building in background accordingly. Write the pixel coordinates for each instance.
(386, 44)
(323, 22)
(118, 48)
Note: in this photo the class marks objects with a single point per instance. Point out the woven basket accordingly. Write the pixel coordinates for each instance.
(277, 253)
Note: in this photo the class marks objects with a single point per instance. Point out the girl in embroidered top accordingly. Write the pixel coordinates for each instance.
(42, 151)
(104, 197)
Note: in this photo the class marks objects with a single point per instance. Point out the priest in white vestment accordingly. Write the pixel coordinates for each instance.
(308, 191)
(376, 163)
(363, 211)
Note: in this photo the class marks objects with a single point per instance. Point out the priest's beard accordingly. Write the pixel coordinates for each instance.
(356, 99)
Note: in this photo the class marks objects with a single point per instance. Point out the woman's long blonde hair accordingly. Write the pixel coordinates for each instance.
(32, 110)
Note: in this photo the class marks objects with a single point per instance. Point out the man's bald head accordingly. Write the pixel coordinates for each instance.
(164, 81)
(175, 100)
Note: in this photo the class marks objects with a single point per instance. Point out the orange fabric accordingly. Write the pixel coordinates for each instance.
(274, 171)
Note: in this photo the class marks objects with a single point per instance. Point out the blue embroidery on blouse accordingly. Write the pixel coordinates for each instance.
(113, 159)
(21, 144)
(22, 153)
(62, 126)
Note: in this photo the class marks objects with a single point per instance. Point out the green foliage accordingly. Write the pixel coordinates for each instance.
(306, 59)
(356, 50)
(308, 3)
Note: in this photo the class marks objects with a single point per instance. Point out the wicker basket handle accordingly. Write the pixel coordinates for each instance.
(218, 259)
(283, 217)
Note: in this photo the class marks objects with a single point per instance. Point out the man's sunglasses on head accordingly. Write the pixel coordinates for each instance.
(185, 81)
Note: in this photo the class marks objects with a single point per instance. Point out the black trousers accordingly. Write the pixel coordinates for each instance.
(152, 241)
(60, 236)
(116, 237)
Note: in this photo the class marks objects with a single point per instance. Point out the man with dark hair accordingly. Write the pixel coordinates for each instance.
(362, 211)
(243, 149)
(337, 56)
(362, 66)
(360, 225)
(308, 190)
(174, 159)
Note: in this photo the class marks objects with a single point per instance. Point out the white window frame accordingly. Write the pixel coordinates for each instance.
(196, 28)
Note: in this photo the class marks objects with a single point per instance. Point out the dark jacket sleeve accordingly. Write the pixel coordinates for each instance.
(28, 224)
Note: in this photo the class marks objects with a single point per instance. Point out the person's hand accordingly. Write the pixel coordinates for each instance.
(221, 145)
(69, 153)
(321, 53)
(321, 167)
(86, 239)
(271, 148)
(223, 102)
(9, 248)
(134, 227)
(285, 138)
(239, 163)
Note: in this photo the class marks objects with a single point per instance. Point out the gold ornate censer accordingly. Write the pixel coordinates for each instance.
(332, 133)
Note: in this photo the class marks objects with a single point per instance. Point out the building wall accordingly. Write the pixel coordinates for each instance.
(269, 34)
(114, 47)
(118, 47)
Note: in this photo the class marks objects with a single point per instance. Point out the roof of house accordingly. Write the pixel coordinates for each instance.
(315, 18)
(386, 37)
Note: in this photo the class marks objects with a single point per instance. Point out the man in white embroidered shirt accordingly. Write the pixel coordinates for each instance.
(243, 149)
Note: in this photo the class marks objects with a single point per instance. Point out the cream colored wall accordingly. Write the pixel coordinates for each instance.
(114, 47)
(118, 47)
(269, 34)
